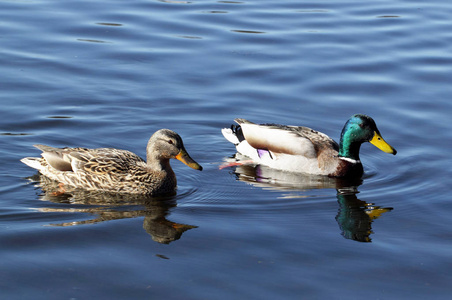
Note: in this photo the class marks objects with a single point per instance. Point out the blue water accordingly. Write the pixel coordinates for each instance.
(110, 73)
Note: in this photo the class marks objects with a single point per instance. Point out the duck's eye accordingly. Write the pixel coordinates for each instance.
(170, 142)
(361, 125)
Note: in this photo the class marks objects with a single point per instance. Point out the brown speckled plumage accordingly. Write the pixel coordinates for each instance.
(115, 170)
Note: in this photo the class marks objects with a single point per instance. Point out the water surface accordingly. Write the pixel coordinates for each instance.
(110, 73)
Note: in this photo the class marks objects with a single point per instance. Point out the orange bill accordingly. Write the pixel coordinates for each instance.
(186, 159)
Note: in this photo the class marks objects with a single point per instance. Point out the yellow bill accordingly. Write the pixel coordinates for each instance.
(186, 159)
(381, 144)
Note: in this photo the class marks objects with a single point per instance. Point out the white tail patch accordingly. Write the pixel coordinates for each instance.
(230, 136)
(32, 162)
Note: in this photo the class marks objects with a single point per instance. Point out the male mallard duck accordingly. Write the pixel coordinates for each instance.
(302, 149)
(116, 170)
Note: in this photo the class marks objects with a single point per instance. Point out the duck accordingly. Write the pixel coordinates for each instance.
(115, 170)
(304, 150)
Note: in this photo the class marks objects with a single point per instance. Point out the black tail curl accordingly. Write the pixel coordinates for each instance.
(237, 130)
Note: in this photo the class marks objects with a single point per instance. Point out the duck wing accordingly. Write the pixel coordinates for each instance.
(97, 161)
(106, 160)
(293, 140)
(58, 158)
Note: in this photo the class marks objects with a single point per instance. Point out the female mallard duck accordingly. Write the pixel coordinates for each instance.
(116, 170)
(302, 149)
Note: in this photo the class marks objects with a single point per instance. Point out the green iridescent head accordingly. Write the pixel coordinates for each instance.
(359, 129)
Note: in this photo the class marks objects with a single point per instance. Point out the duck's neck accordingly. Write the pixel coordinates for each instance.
(156, 163)
(348, 148)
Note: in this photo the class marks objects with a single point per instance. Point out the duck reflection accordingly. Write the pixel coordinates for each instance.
(354, 216)
(107, 207)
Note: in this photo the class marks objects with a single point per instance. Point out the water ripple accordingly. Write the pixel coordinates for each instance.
(93, 41)
(112, 73)
(109, 24)
(248, 31)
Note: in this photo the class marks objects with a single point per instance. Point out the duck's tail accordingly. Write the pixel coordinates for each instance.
(230, 136)
(34, 162)
(233, 134)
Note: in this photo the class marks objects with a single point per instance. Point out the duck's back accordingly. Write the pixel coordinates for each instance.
(290, 148)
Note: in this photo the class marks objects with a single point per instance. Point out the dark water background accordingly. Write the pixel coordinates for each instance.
(110, 73)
